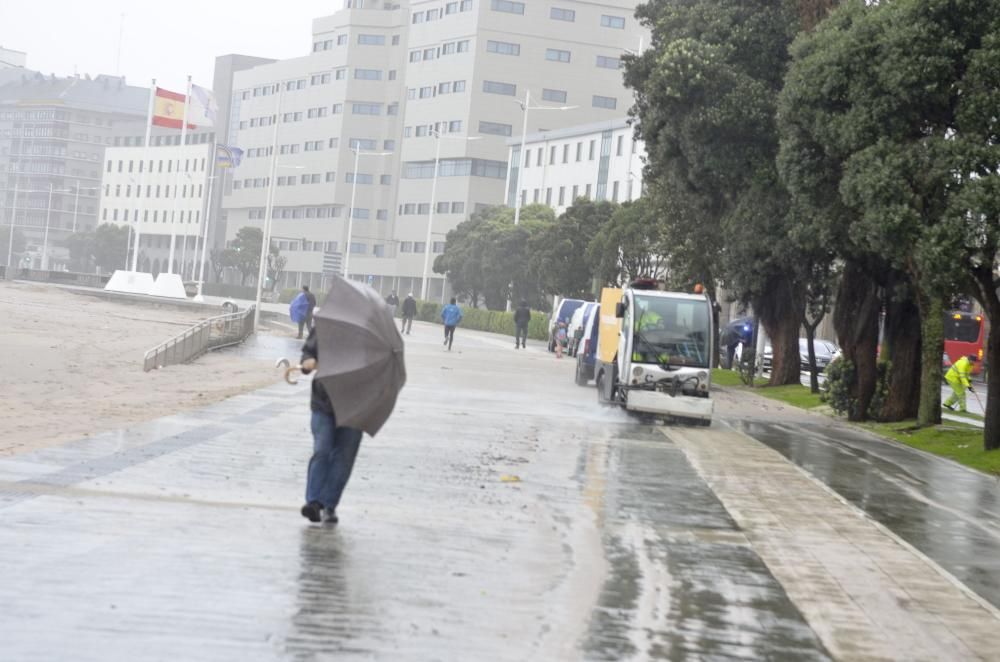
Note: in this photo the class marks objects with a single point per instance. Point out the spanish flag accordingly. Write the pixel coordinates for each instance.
(168, 109)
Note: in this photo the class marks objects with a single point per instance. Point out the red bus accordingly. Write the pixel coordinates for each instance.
(963, 336)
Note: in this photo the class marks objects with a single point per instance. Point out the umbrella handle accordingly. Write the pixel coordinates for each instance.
(289, 369)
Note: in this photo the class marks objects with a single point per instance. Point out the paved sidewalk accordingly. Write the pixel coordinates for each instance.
(868, 595)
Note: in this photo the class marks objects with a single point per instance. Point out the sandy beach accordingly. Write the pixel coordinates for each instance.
(71, 365)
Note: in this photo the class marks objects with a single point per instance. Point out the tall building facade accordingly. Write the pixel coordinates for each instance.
(53, 133)
(161, 193)
(598, 161)
(405, 83)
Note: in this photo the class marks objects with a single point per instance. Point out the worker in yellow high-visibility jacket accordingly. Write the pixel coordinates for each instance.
(959, 379)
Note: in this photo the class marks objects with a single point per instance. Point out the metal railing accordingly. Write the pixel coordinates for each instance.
(212, 333)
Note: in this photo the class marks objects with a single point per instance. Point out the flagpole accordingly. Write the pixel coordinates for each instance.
(142, 175)
(265, 243)
(213, 155)
(173, 218)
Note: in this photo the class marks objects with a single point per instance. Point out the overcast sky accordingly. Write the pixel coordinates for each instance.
(162, 40)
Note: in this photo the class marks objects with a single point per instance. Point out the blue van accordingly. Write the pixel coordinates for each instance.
(587, 354)
(563, 313)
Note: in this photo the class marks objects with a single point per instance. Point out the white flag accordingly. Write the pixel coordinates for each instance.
(203, 107)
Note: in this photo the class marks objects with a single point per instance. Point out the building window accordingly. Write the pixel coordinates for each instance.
(363, 178)
(558, 14)
(406, 247)
(458, 86)
(562, 195)
(340, 74)
(466, 5)
(576, 189)
(604, 102)
(493, 87)
(614, 192)
(556, 55)
(392, 74)
(458, 208)
(438, 247)
(333, 143)
(331, 176)
(378, 250)
(617, 22)
(535, 196)
(454, 126)
(503, 48)
(368, 74)
(385, 180)
(423, 208)
(451, 8)
(442, 207)
(341, 40)
(590, 157)
(395, 40)
(507, 6)
(389, 145)
(414, 56)
(606, 62)
(337, 108)
(565, 158)
(369, 144)
(357, 246)
(495, 128)
(382, 214)
(371, 40)
(587, 194)
(366, 108)
(557, 96)
(427, 92)
(527, 158)
(392, 109)
(541, 154)
(463, 46)
(618, 147)
(430, 54)
(552, 155)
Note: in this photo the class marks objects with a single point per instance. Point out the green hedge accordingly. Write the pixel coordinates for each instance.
(491, 321)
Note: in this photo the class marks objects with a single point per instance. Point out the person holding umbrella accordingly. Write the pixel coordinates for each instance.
(334, 447)
(357, 356)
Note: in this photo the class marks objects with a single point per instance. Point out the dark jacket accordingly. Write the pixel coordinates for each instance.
(392, 300)
(522, 316)
(409, 307)
(320, 400)
(311, 298)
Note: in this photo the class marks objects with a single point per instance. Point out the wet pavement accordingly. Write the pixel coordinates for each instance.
(500, 515)
(948, 512)
(181, 539)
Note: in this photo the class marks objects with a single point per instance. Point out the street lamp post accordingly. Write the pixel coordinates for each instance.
(526, 106)
(425, 290)
(350, 212)
(13, 221)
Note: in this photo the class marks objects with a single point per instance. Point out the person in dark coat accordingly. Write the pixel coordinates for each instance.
(409, 312)
(521, 318)
(334, 448)
(392, 301)
(307, 321)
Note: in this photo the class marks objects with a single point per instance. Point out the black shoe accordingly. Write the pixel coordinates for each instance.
(313, 511)
(330, 516)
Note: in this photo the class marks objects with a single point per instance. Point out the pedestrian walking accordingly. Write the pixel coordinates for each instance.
(334, 447)
(308, 302)
(392, 301)
(959, 379)
(451, 315)
(561, 338)
(521, 318)
(409, 312)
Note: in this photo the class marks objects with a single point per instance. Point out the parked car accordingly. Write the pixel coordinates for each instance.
(563, 313)
(825, 351)
(587, 355)
(576, 326)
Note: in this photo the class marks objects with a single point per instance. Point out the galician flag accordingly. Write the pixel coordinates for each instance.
(168, 109)
(203, 107)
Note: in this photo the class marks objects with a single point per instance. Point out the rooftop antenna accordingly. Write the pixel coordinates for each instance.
(121, 35)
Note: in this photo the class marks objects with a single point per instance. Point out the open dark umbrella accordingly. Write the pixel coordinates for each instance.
(360, 355)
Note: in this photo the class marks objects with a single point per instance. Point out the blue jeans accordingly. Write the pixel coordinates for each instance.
(334, 450)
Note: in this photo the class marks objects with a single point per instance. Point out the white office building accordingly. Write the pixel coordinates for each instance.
(598, 161)
(161, 193)
(406, 82)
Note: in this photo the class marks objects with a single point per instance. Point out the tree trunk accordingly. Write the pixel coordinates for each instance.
(855, 320)
(781, 313)
(901, 347)
(811, 348)
(991, 430)
(932, 349)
